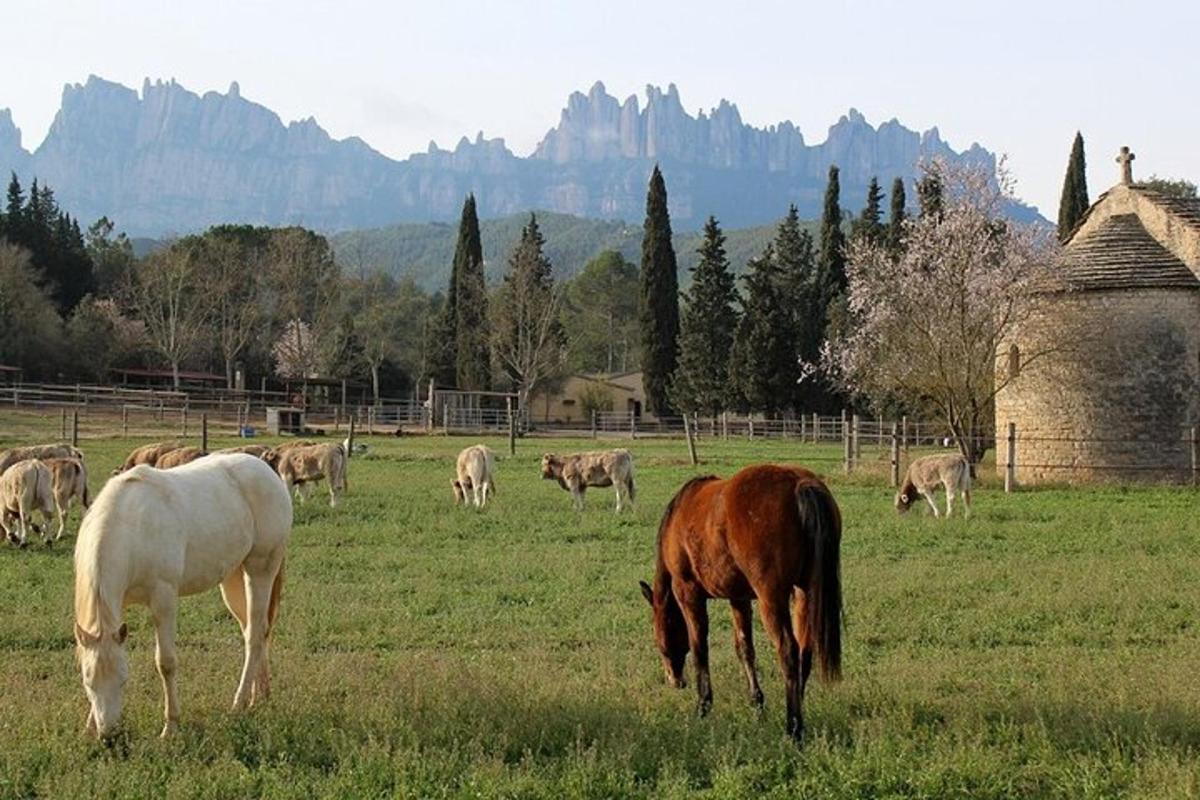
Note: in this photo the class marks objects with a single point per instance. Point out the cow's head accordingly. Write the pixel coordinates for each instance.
(906, 496)
(459, 495)
(552, 466)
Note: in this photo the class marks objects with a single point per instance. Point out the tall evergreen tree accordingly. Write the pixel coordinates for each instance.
(707, 327)
(869, 226)
(1074, 202)
(831, 264)
(929, 194)
(760, 354)
(795, 259)
(14, 210)
(658, 299)
(895, 230)
(473, 366)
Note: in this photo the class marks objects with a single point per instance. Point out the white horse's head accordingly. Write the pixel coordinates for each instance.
(105, 668)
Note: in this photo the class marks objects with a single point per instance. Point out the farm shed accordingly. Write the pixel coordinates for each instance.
(1104, 376)
(285, 419)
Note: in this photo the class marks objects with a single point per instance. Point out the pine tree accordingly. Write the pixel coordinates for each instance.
(869, 225)
(1074, 202)
(658, 299)
(473, 367)
(14, 211)
(795, 259)
(707, 327)
(759, 382)
(895, 230)
(929, 194)
(831, 264)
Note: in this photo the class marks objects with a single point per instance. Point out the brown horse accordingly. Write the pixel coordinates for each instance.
(771, 533)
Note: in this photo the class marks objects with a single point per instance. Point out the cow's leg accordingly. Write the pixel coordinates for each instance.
(61, 507)
(163, 605)
(333, 492)
(694, 605)
(577, 490)
(929, 499)
(949, 499)
(743, 641)
(776, 617)
(966, 498)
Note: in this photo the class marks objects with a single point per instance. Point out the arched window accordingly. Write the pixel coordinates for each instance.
(1014, 361)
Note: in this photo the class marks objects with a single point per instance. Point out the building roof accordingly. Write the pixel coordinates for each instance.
(1121, 254)
(1184, 209)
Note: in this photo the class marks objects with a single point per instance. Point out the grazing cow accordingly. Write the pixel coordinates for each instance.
(178, 457)
(153, 536)
(256, 450)
(147, 454)
(42, 451)
(69, 481)
(475, 469)
(302, 465)
(951, 470)
(578, 471)
(25, 487)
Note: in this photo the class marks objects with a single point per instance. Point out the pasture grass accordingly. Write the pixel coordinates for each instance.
(1048, 647)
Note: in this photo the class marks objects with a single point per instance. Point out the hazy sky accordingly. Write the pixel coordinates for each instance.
(1018, 77)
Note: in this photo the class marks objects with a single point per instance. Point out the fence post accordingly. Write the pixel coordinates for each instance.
(350, 438)
(904, 433)
(750, 427)
(512, 426)
(337, 422)
(691, 442)
(124, 420)
(593, 423)
(1195, 458)
(74, 428)
(854, 437)
(725, 425)
(1010, 465)
(204, 432)
(895, 456)
(64, 422)
(183, 419)
(429, 418)
(632, 425)
(370, 420)
(847, 452)
(446, 418)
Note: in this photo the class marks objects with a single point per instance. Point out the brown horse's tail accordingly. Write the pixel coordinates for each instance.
(820, 518)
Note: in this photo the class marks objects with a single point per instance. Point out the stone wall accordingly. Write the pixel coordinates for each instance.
(1114, 399)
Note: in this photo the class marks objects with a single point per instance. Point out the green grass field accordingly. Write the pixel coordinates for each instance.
(1046, 648)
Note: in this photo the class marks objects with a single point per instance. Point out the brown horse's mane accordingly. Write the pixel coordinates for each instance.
(670, 510)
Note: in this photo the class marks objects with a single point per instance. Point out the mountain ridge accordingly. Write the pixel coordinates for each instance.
(169, 160)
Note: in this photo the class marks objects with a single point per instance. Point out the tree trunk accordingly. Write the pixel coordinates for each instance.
(228, 372)
(175, 374)
(375, 382)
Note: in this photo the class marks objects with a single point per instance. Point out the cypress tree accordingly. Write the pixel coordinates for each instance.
(895, 230)
(1074, 202)
(473, 365)
(14, 211)
(707, 327)
(831, 264)
(658, 299)
(929, 194)
(760, 353)
(795, 260)
(869, 226)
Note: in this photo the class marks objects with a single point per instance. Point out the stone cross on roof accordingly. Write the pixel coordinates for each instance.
(1125, 159)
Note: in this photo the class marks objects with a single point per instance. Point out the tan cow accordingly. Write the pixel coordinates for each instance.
(147, 454)
(950, 470)
(178, 457)
(475, 470)
(18, 454)
(256, 450)
(68, 477)
(578, 471)
(26, 487)
(301, 465)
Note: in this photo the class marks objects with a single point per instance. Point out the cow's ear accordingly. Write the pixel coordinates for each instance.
(647, 592)
(121, 633)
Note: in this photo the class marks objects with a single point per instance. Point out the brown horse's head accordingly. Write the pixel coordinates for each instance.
(670, 632)
(906, 496)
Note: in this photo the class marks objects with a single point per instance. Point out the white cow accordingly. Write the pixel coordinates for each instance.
(476, 474)
(951, 471)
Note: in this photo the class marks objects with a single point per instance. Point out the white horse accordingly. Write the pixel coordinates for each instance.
(152, 536)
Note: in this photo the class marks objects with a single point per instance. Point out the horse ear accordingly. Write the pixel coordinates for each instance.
(121, 633)
(647, 592)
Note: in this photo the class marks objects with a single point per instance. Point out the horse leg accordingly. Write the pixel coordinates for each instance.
(233, 591)
(163, 605)
(695, 614)
(777, 619)
(258, 596)
(804, 642)
(743, 641)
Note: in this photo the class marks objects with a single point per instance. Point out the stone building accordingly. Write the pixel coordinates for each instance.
(1104, 376)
